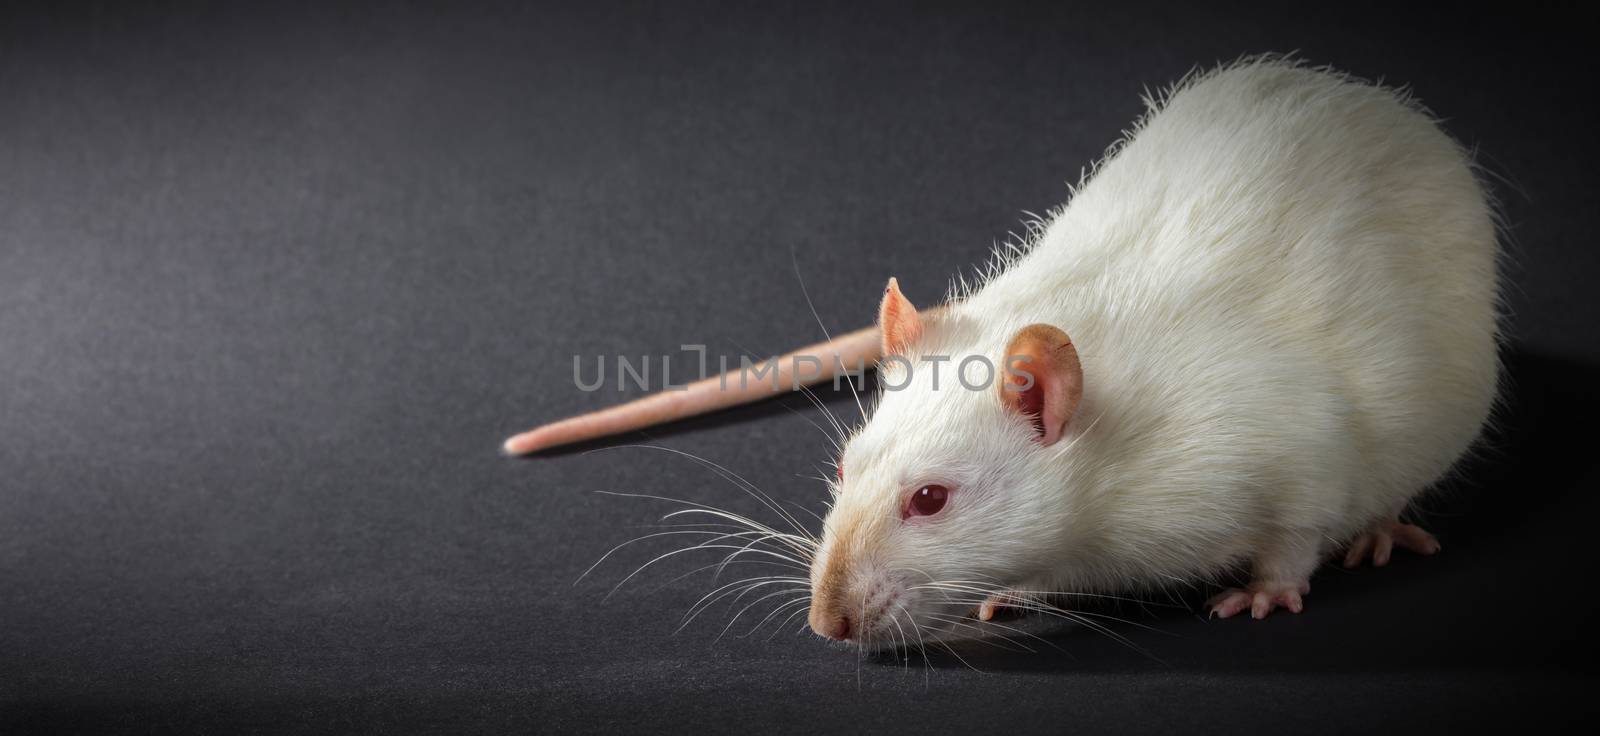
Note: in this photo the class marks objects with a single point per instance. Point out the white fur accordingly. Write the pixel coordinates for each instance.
(1282, 287)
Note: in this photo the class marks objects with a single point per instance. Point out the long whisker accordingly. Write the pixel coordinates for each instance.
(741, 550)
(838, 427)
(1073, 616)
(829, 436)
(752, 604)
(720, 563)
(813, 514)
(800, 545)
(1025, 598)
(710, 599)
(786, 621)
(963, 624)
(738, 480)
(741, 587)
(759, 540)
(714, 511)
(719, 535)
(903, 649)
(922, 646)
(803, 599)
(1022, 632)
(1027, 601)
(987, 589)
(731, 516)
(840, 431)
(795, 261)
(957, 655)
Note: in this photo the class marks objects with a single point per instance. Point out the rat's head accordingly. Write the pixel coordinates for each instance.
(953, 488)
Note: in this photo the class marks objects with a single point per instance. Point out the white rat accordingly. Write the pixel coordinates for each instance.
(1264, 324)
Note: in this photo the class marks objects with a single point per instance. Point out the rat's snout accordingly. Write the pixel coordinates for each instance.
(852, 601)
(858, 613)
(855, 591)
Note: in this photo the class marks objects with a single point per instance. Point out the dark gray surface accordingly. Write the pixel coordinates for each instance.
(274, 284)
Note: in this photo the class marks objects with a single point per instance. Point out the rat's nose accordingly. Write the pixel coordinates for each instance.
(837, 629)
(831, 625)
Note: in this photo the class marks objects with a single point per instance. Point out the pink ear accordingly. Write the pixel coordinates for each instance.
(898, 321)
(1044, 354)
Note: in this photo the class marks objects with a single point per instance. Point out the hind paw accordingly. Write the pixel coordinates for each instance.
(1260, 599)
(1379, 543)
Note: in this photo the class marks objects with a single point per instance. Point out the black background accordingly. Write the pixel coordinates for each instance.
(274, 283)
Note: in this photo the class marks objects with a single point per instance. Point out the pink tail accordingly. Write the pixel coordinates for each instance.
(841, 354)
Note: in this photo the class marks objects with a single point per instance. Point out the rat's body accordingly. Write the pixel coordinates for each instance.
(1281, 291)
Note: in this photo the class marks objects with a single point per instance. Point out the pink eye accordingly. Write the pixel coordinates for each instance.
(839, 470)
(927, 501)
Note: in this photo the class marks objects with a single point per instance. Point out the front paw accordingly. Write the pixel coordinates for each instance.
(1260, 599)
(996, 603)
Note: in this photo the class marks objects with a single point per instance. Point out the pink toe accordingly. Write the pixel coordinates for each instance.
(1382, 549)
(1416, 539)
(1358, 550)
(1229, 603)
(1260, 606)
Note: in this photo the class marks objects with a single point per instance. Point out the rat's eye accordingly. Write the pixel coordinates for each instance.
(927, 501)
(839, 470)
